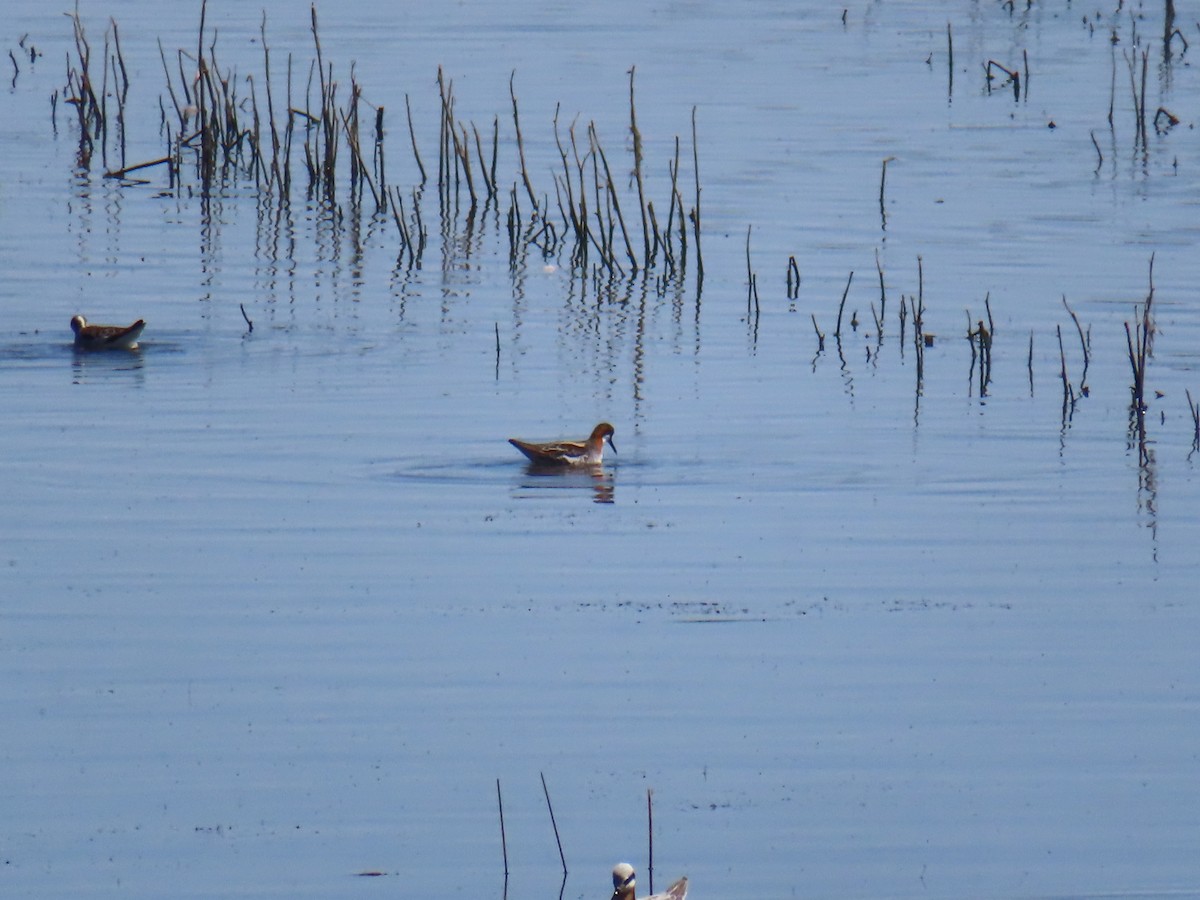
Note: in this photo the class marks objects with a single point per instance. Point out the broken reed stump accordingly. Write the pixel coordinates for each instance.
(1012, 76)
(793, 279)
(878, 317)
(820, 336)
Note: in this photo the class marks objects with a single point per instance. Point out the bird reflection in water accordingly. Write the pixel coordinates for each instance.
(96, 367)
(550, 476)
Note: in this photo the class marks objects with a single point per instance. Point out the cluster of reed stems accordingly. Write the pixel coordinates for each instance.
(91, 99)
(1139, 341)
(921, 338)
(980, 338)
(1070, 397)
(981, 334)
(590, 209)
(233, 135)
(234, 128)
(1137, 62)
(558, 837)
(1011, 76)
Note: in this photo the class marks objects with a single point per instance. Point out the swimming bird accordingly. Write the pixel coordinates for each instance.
(106, 337)
(624, 883)
(570, 453)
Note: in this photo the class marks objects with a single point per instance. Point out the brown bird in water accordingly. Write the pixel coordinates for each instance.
(624, 883)
(570, 453)
(106, 337)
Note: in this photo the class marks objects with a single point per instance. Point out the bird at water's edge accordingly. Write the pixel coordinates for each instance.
(106, 337)
(570, 453)
(624, 884)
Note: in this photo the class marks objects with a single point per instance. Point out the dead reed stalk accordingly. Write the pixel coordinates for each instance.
(980, 337)
(80, 93)
(918, 311)
(1068, 390)
(882, 185)
(637, 169)
(793, 279)
(1085, 343)
(521, 143)
(837, 332)
(650, 835)
(695, 214)
(413, 135)
(614, 199)
(1029, 363)
(503, 837)
(1139, 344)
(882, 294)
(557, 839)
(1194, 409)
(1139, 94)
(949, 61)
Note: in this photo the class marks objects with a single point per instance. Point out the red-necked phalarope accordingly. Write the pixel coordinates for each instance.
(570, 453)
(106, 337)
(624, 883)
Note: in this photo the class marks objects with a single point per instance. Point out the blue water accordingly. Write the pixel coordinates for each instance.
(279, 604)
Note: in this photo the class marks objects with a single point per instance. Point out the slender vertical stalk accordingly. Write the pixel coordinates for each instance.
(637, 171)
(696, 208)
(557, 839)
(949, 62)
(521, 142)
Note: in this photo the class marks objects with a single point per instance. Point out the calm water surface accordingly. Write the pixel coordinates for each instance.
(278, 607)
